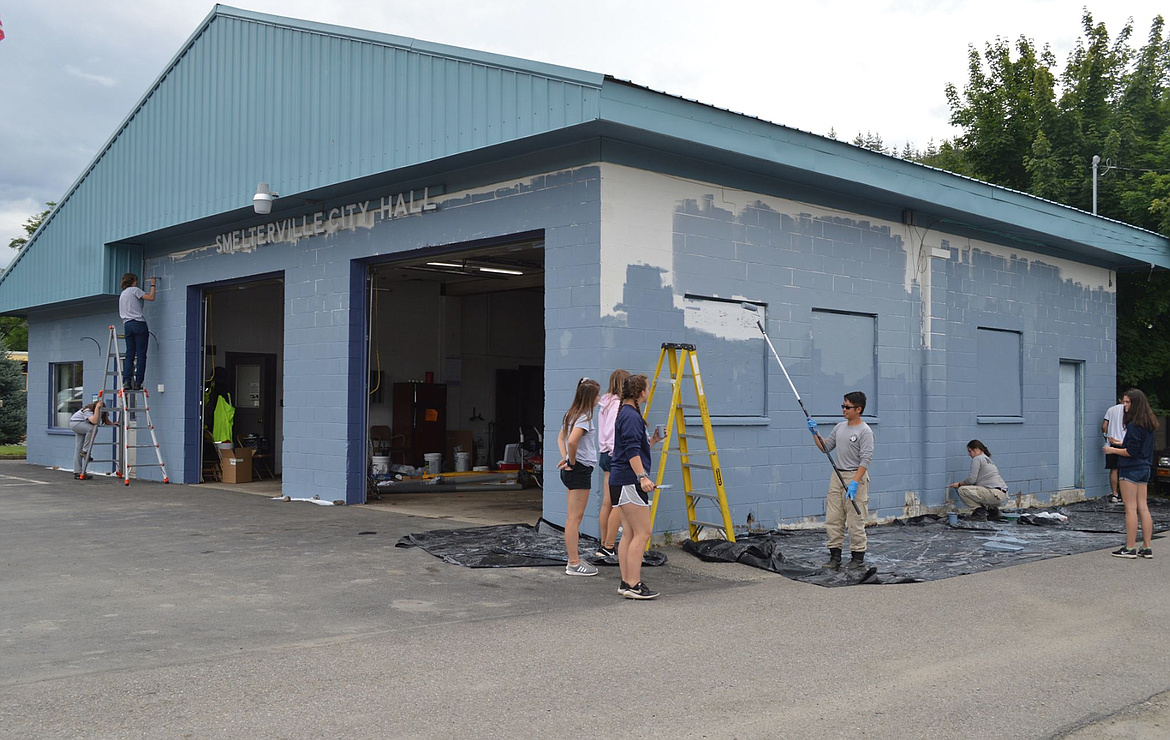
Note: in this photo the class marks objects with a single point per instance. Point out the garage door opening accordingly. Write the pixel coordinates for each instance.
(243, 364)
(456, 382)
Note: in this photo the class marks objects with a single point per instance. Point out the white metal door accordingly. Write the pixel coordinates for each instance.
(1071, 427)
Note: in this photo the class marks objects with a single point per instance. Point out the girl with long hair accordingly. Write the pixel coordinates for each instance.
(983, 489)
(1134, 458)
(608, 518)
(577, 441)
(630, 485)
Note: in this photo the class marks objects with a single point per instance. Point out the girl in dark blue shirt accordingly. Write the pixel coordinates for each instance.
(1134, 458)
(630, 485)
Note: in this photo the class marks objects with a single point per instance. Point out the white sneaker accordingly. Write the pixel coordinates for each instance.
(580, 569)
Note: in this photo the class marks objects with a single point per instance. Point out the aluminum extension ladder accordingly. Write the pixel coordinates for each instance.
(131, 408)
(681, 357)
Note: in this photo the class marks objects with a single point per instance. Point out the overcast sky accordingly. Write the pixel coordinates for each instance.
(70, 70)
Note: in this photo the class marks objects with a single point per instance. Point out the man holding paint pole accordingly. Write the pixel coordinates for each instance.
(853, 440)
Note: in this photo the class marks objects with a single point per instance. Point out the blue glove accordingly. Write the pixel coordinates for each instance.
(812, 426)
(851, 492)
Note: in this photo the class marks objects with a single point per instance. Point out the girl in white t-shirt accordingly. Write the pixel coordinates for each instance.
(578, 444)
(607, 519)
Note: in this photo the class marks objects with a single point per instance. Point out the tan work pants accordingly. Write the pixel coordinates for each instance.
(976, 496)
(839, 513)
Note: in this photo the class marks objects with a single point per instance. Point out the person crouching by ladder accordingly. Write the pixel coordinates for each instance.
(84, 424)
(853, 440)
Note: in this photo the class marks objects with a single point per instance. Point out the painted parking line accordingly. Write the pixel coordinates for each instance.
(22, 480)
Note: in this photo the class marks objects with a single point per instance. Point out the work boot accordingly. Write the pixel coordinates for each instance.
(834, 559)
(978, 515)
(857, 560)
(993, 514)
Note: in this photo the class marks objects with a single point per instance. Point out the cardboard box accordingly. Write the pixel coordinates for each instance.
(236, 465)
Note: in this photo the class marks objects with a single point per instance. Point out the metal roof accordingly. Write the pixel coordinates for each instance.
(307, 106)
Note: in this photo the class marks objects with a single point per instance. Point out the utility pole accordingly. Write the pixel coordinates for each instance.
(1096, 161)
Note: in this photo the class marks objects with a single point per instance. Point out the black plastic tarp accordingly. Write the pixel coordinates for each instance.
(927, 548)
(509, 546)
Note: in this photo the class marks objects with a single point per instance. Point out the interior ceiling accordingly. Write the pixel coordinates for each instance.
(470, 272)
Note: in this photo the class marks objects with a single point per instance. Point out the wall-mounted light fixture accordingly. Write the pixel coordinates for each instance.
(262, 200)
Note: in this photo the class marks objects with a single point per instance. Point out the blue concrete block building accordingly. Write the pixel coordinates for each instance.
(498, 228)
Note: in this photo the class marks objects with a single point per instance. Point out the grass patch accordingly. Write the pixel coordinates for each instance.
(12, 450)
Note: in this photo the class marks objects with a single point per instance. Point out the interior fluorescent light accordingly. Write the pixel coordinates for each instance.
(444, 264)
(499, 270)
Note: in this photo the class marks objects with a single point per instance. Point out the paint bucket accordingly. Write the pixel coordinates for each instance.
(434, 462)
(462, 462)
(381, 465)
(953, 518)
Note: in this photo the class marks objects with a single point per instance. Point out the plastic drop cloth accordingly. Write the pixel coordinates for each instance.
(510, 546)
(926, 548)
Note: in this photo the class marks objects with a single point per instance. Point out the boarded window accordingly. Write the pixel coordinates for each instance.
(66, 393)
(998, 361)
(732, 355)
(843, 360)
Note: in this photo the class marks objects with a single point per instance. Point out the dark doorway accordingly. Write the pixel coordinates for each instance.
(252, 379)
(519, 406)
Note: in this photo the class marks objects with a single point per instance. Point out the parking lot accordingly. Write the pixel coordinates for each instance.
(171, 611)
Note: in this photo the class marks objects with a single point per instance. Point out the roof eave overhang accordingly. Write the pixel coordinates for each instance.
(685, 127)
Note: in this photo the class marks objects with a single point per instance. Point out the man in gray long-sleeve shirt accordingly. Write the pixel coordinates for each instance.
(853, 440)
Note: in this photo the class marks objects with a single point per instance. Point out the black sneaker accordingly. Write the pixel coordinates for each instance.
(1115, 499)
(623, 588)
(137, 386)
(604, 552)
(1125, 552)
(641, 592)
(1146, 553)
(127, 386)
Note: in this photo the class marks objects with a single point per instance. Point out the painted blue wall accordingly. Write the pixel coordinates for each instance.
(324, 360)
(926, 402)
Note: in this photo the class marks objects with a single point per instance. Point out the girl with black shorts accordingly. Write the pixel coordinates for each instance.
(1134, 458)
(578, 444)
(630, 486)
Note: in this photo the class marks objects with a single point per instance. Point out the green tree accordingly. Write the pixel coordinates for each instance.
(1025, 128)
(14, 407)
(13, 329)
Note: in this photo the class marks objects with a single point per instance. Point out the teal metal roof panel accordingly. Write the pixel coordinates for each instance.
(256, 98)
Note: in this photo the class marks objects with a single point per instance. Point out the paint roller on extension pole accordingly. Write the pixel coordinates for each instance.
(807, 416)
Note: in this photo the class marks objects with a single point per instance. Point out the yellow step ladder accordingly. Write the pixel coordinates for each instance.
(680, 357)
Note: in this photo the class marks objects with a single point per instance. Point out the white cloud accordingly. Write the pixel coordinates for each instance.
(102, 80)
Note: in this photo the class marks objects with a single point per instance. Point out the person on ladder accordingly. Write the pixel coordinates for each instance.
(137, 333)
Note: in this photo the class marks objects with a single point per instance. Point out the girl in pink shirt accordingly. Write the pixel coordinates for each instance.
(610, 402)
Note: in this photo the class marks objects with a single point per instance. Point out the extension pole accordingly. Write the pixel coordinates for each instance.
(752, 308)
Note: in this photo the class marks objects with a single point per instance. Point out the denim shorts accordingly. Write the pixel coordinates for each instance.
(580, 478)
(1136, 475)
(604, 461)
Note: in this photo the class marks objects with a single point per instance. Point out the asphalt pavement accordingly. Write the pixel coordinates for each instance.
(180, 612)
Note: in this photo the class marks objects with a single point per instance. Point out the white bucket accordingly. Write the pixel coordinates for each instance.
(434, 462)
(462, 462)
(381, 465)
